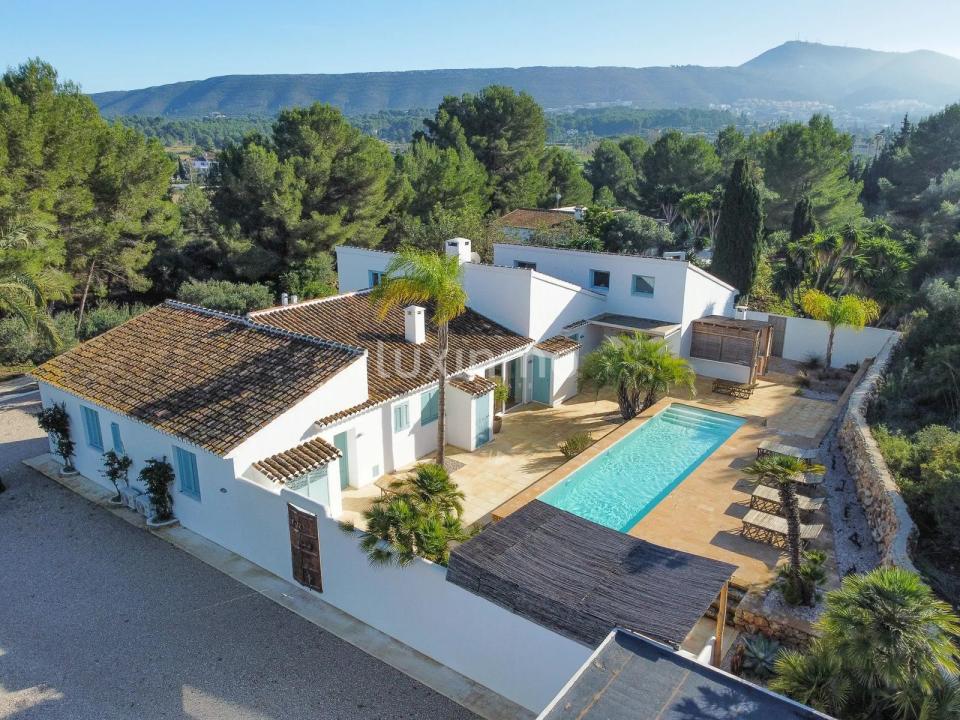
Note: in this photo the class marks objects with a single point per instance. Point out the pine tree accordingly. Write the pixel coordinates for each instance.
(804, 222)
(739, 233)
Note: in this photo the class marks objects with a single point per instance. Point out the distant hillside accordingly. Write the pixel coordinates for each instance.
(795, 72)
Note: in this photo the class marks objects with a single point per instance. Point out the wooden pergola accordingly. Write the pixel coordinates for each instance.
(731, 340)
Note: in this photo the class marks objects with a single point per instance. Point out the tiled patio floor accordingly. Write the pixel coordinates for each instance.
(702, 515)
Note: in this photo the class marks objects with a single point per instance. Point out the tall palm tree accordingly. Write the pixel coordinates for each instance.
(781, 472)
(887, 649)
(851, 310)
(639, 368)
(415, 276)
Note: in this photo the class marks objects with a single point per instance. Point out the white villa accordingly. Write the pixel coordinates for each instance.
(269, 419)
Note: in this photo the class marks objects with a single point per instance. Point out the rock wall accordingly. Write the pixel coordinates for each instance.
(893, 529)
(788, 629)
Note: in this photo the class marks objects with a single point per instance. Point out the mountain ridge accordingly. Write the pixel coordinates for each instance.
(794, 71)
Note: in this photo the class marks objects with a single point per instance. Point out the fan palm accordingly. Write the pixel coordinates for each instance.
(639, 368)
(887, 650)
(781, 472)
(415, 276)
(851, 310)
(432, 484)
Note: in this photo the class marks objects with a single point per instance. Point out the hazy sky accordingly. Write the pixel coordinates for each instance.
(112, 45)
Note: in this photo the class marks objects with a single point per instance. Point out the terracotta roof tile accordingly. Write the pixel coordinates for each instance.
(395, 367)
(211, 378)
(475, 386)
(533, 219)
(558, 345)
(299, 460)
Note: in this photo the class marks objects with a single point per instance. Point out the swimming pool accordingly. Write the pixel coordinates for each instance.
(626, 481)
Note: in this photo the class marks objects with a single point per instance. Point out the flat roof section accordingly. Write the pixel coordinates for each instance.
(582, 580)
(633, 678)
(658, 328)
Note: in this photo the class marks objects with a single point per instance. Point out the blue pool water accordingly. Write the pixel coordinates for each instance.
(622, 484)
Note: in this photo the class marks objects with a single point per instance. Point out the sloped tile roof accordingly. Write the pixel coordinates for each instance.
(558, 345)
(395, 367)
(211, 378)
(534, 219)
(299, 460)
(475, 386)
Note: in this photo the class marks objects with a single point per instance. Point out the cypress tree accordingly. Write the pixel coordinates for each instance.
(739, 233)
(803, 221)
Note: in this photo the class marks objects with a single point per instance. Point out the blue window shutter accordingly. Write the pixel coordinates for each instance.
(91, 425)
(117, 440)
(187, 472)
(401, 417)
(429, 406)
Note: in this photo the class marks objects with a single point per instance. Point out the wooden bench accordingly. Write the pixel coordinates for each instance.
(767, 499)
(772, 529)
(734, 389)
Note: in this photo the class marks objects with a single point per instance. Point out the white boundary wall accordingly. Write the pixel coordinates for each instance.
(512, 656)
(805, 337)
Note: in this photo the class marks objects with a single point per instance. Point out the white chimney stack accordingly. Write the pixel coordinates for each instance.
(741, 312)
(414, 325)
(294, 299)
(284, 299)
(579, 212)
(460, 247)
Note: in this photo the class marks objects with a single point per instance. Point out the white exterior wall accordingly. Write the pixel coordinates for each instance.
(501, 294)
(213, 515)
(512, 656)
(574, 266)
(461, 419)
(345, 389)
(722, 370)
(365, 445)
(804, 337)
(354, 266)
(564, 379)
(554, 304)
(704, 295)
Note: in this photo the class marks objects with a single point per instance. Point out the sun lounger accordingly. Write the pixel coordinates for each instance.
(734, 389)
(772, 529)
(767, 499)
(772, 447)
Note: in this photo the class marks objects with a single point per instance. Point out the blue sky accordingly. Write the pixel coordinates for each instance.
(121, 45)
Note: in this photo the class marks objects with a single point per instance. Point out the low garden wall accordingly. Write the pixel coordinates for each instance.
(893, 529)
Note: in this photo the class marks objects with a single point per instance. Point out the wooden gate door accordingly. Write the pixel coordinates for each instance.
(305, 548)
(779, 324)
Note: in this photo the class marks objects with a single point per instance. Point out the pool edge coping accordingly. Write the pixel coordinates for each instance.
(546, 482)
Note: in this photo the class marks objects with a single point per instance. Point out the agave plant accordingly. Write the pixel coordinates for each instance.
(760, 653)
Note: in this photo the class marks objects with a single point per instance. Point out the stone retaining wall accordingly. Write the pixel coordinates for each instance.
(750, 617)
(893, 529)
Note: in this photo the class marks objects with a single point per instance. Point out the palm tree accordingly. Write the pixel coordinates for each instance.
(420, 516)
(415, 276)
(887, 650)
(25, 292)
(851, 310)
(639, 368)
(431, 483)
(781, 472)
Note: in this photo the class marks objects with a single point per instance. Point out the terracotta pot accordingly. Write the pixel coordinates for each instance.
(497, 423)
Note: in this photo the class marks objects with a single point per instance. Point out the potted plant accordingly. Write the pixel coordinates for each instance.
(157, 475)
(55, 421)
(116, 469)
(500, 395)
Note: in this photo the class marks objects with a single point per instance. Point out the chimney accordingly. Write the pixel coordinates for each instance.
(284, 299)
(460, 247)
(741, 312)
(294, 299)
(578, 212)
(414, 328)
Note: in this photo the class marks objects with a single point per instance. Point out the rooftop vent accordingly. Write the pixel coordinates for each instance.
(414, 327)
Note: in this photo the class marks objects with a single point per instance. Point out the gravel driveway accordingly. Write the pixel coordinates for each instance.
(99, 619)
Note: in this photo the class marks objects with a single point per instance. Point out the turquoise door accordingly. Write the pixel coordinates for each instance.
(542, 379)
(340, 443)
(482, 404)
